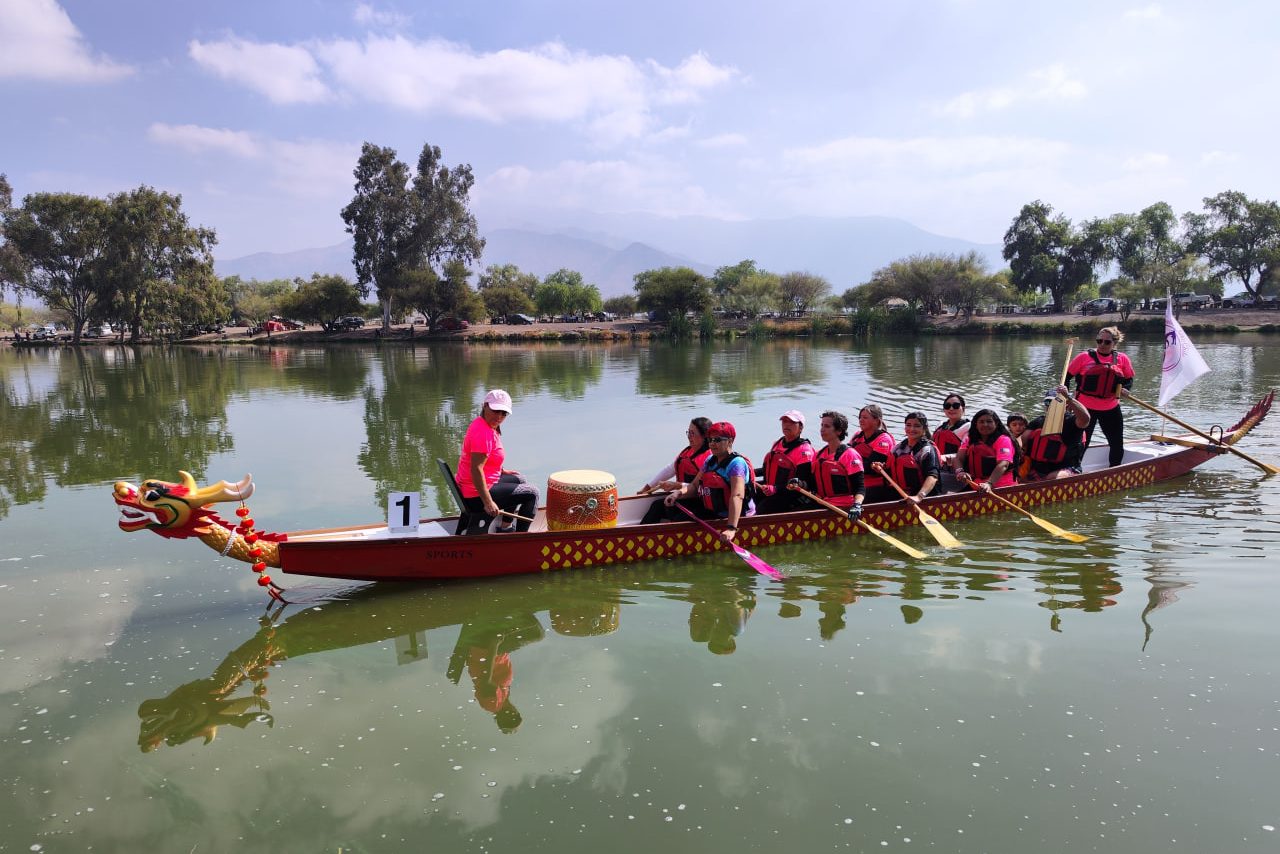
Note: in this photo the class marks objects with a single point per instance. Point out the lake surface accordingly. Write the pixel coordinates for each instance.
(1027, 694)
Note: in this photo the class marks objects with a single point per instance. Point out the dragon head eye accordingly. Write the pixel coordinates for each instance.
(151, 495)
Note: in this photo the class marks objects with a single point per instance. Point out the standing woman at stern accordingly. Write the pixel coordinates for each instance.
(1102, 377)
(486, 486)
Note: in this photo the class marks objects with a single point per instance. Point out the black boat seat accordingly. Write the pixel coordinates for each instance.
(468, 522)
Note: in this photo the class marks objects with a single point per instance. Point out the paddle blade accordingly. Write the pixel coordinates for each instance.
(893, 541)
(1056, 531)
(941, 534)
(757, 564)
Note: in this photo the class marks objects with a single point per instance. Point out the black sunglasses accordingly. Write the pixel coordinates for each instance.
(953, 406)
(1104, 340)
(718, 439)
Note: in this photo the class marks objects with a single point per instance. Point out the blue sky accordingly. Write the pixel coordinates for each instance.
(949, 114)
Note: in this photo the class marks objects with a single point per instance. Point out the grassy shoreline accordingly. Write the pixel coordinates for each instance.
(1228, 322)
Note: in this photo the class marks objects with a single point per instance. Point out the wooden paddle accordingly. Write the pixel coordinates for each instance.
(1056, 414)
(932, 525)
(514, 516)
(752, 561)
(1266, 467)
(1043, 523)
(896, 543)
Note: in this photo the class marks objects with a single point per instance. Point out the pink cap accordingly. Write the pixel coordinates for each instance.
(793, 415)
(498, 400)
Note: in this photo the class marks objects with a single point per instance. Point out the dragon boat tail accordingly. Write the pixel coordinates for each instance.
(373, 552)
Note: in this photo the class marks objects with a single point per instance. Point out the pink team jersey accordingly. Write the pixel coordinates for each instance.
(480, 439)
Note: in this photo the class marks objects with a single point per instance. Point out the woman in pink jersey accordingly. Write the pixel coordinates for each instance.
(486, 486)
(1102, 377)
(987, 457)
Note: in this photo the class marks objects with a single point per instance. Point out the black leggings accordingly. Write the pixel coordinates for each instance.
(659, 512)
(510, 493)
(1112, 422)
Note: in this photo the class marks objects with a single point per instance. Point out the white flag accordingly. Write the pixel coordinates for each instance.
(1182, 362)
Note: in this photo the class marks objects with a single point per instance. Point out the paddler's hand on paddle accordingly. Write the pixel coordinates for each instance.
(1123, 392)
(728, 534)
(673, 495)
(855, 512)
(490, 506)
(795, 483)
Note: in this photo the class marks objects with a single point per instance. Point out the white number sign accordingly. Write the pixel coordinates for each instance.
(402, 512)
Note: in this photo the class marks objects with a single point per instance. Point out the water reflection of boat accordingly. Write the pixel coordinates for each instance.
(372, 552)
(494, 623)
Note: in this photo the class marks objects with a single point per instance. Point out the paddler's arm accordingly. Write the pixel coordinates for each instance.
(1078, 409)
(962, 457)
(737, 497)
(681, 490)
(477, 480)
(996, 473)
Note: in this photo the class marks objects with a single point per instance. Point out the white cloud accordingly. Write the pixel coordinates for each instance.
(687, 81)
(875, 155)
(724, 140)
(653, 186)
(1052, 83)
(305, 168)
(365, 15)
(1218, 156)
(1150, 12)
(613, 97)
(285, 74)
(38, 40)
(1147, 161)
(197, 140)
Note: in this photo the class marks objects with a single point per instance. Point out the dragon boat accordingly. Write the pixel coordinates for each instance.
(436, 552)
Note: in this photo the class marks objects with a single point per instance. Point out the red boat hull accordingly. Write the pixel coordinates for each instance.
(455, 557)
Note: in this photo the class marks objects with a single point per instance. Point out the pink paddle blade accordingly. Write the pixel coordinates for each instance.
(754, 562)
(757, 564)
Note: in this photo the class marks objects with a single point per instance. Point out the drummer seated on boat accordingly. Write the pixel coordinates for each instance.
(1058, 455)
(488, 488)
(684, 469)
(987, 457)
(724, 489)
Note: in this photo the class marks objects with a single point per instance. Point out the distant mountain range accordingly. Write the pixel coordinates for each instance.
(845, 250)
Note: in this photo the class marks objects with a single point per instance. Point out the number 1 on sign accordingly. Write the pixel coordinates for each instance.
(402, 512)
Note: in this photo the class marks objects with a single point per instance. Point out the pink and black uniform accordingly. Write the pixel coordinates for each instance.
(784, 462)
(981, 458)
(839, 476)
(876, 448)
(911, 467)
(1099, 378)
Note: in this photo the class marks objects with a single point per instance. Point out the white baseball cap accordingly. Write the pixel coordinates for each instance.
(793, 415)
(498, 400)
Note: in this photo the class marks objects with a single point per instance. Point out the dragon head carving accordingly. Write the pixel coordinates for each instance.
(177, 510)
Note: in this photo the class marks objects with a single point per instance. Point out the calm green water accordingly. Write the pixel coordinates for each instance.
(1026, 695)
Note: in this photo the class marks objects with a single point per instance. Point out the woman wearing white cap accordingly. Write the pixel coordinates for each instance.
(486, 486)
(790, 458)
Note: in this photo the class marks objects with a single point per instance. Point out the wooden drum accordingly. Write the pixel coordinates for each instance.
(581, 499)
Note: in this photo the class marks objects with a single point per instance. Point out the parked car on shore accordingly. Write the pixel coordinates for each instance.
(520, 320)
(350, 322)
(452, 324)
(1102, 305)
(1244, 300)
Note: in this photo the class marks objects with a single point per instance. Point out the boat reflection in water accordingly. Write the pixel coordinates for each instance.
(498, 621)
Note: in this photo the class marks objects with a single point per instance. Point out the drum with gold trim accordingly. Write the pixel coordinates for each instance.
(581, 499)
